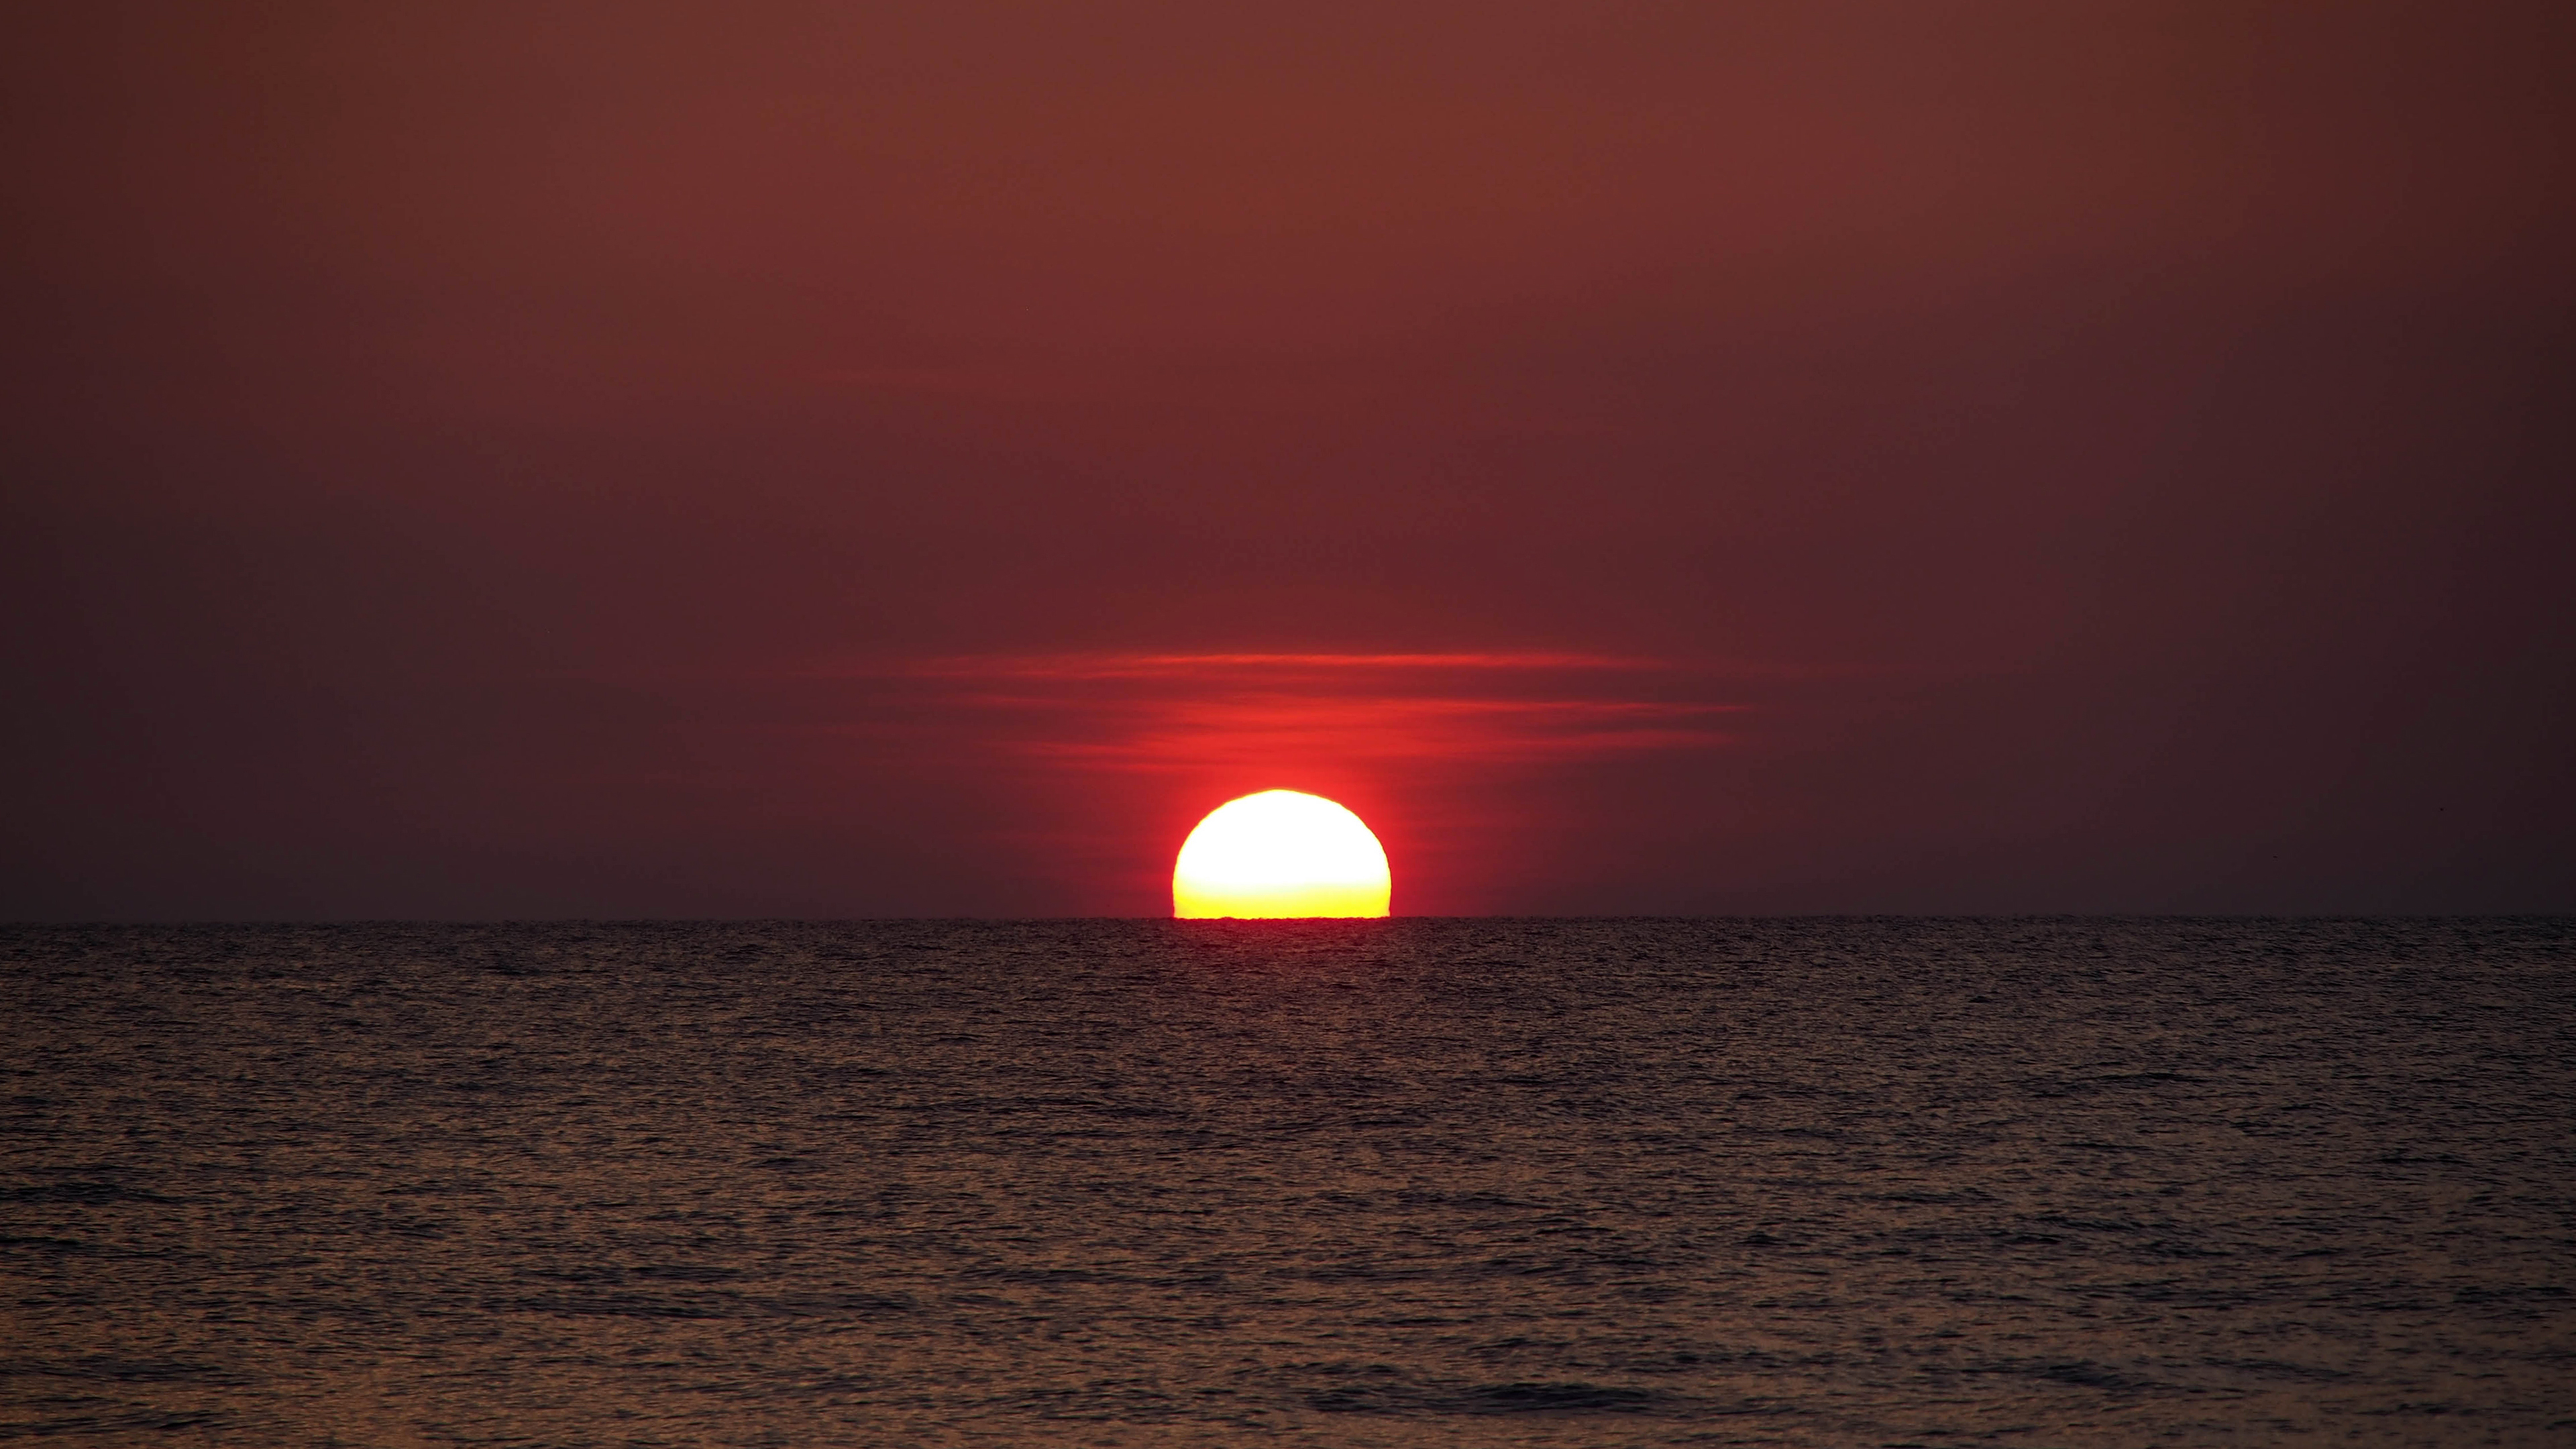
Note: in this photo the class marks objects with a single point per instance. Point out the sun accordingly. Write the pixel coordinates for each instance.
(1280, 853)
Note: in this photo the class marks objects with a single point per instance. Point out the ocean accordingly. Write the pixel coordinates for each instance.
(1407, 1182)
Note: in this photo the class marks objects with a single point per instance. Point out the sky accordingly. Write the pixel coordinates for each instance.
(829, 460)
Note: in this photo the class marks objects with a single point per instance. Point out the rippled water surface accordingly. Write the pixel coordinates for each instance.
(1408, 1182)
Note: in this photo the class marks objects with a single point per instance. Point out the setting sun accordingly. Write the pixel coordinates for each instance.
(1280, 853)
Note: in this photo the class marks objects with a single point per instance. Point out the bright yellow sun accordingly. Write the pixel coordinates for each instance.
(1280, 853)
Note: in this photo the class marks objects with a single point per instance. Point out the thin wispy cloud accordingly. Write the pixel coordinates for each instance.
(1154, 712)
(1123, 665)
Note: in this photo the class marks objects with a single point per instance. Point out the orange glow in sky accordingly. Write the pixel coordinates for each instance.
(1280, 853)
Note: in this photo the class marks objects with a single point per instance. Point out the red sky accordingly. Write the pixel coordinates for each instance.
(644, 459)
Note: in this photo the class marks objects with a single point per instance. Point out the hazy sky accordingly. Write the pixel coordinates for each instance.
(848, 459)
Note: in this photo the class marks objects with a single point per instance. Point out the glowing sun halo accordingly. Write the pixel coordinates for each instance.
(1280, 853)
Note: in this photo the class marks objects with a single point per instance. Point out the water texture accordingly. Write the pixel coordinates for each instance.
(1411, 1182)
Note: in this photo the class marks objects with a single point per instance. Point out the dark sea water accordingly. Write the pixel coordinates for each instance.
(1416, 1182)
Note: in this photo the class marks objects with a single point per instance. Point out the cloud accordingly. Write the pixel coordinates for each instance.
(1203, 666)
(1227, 712)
